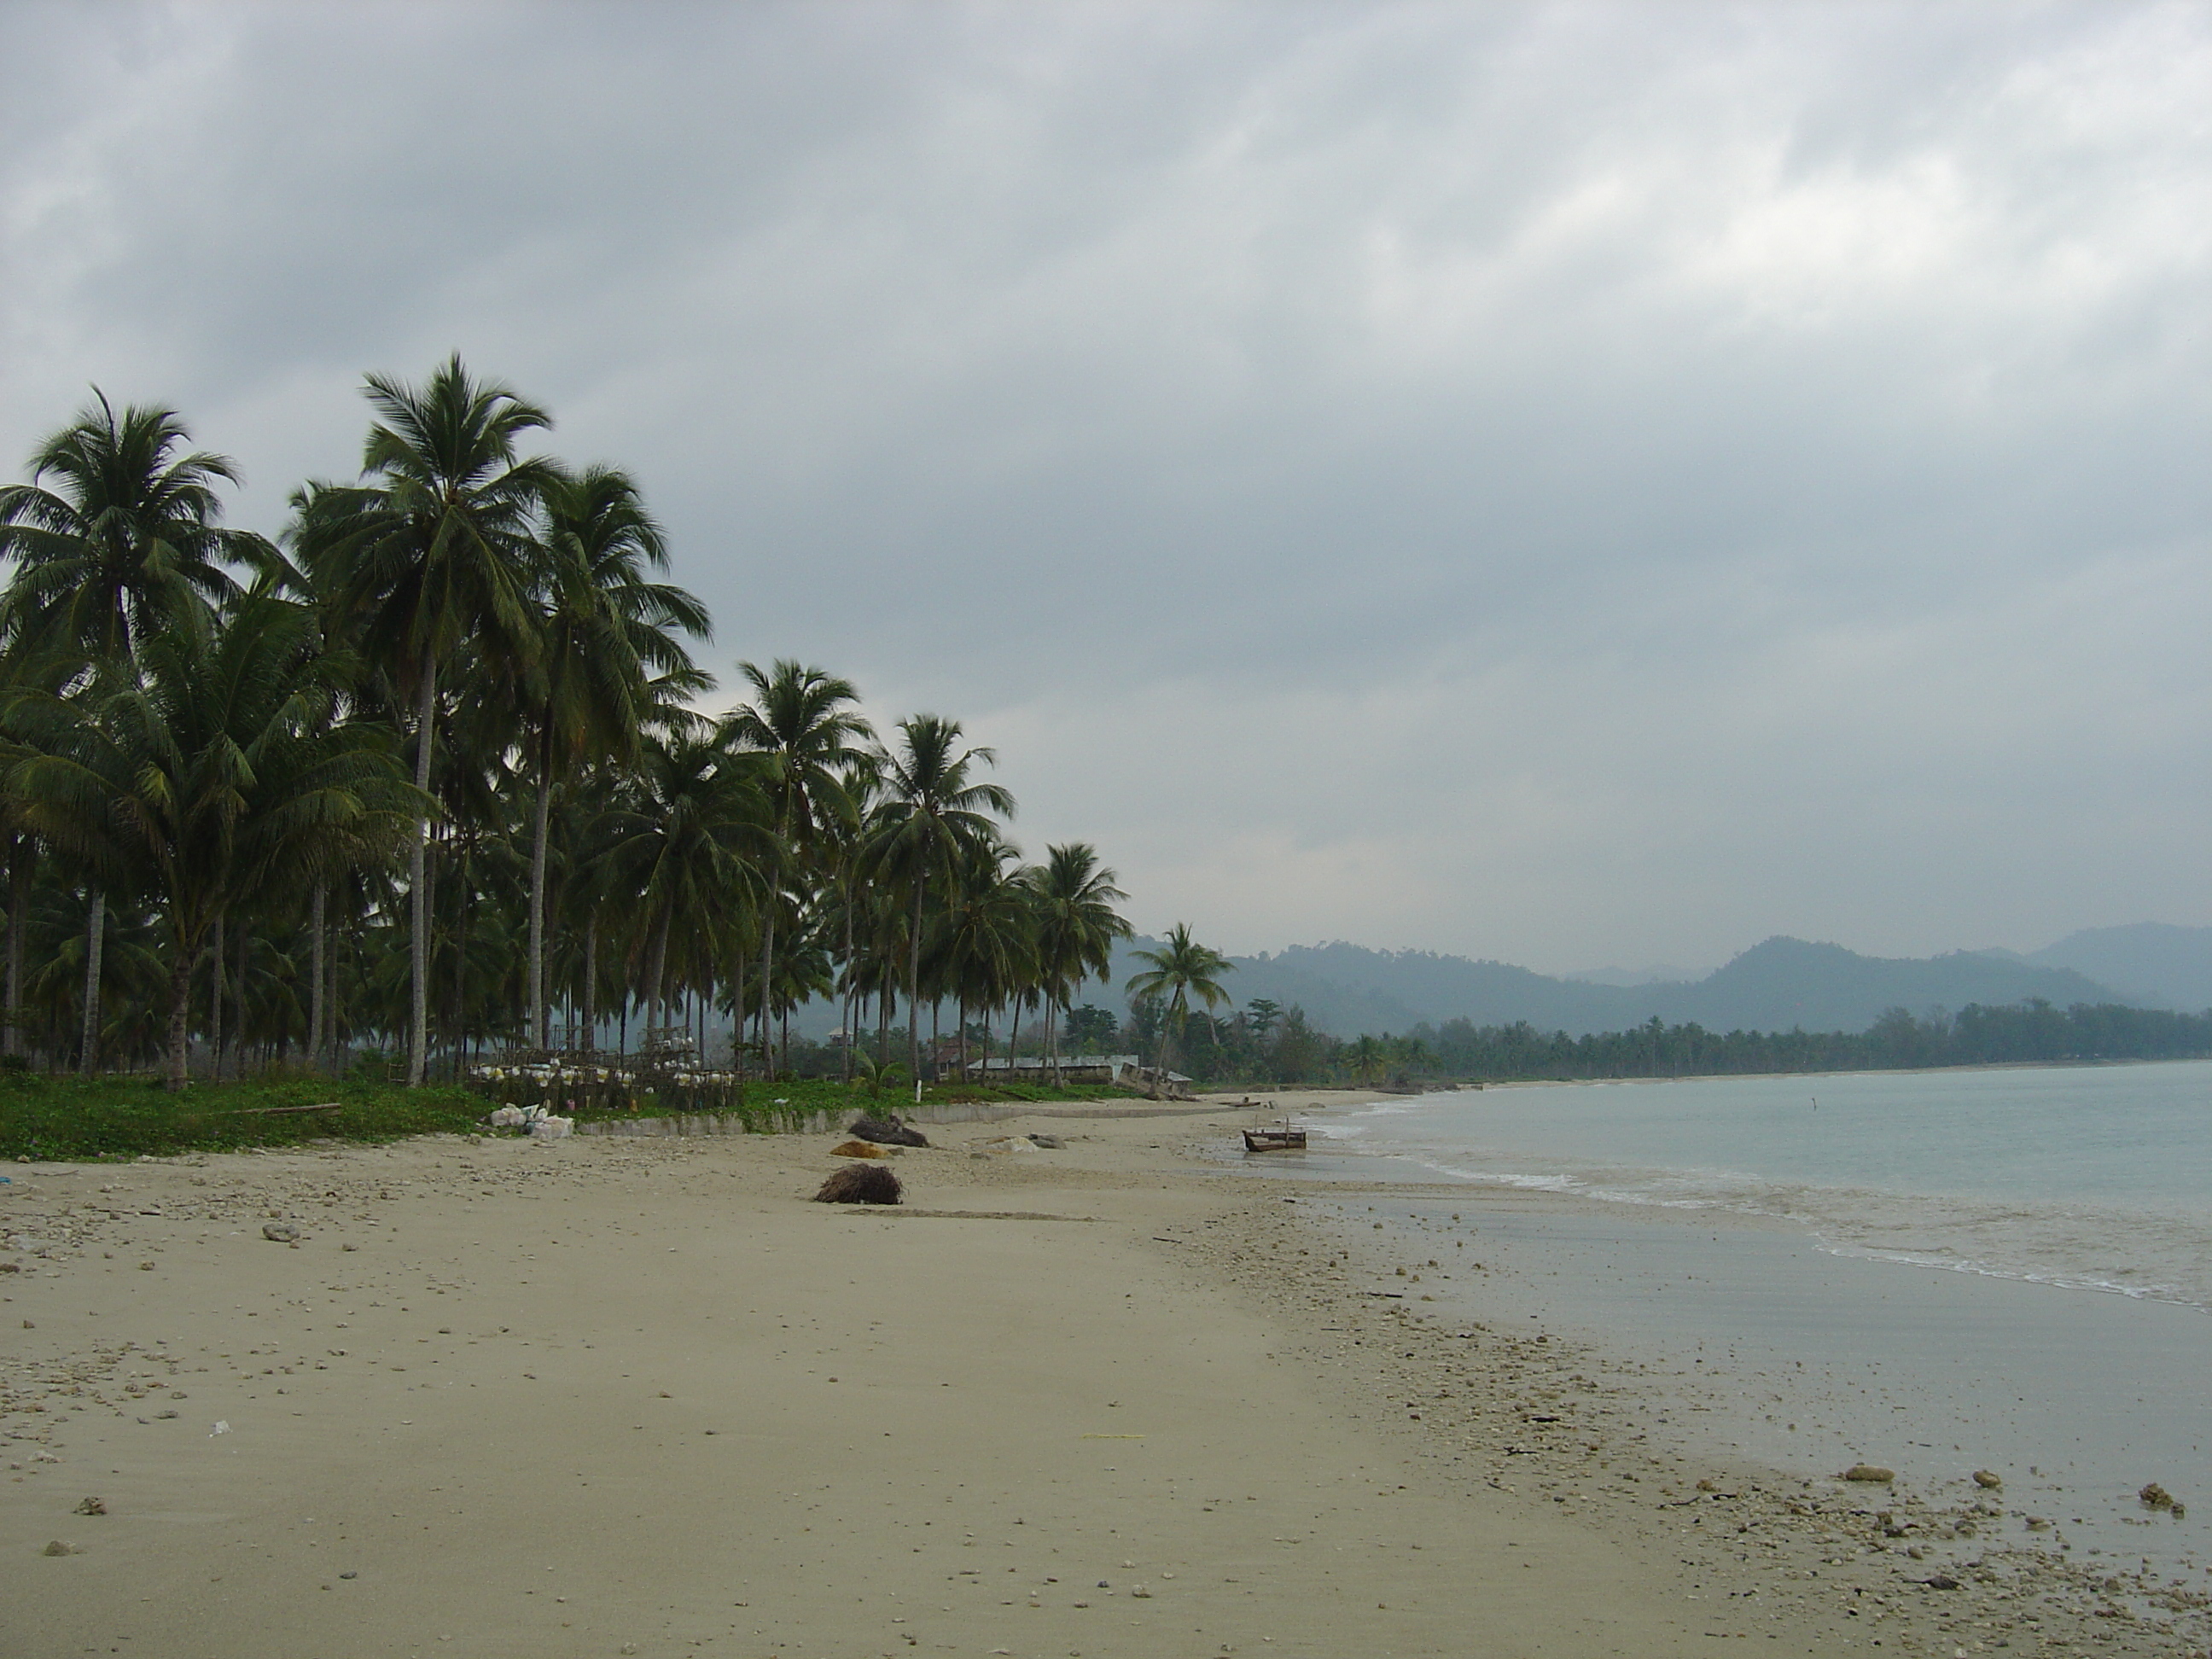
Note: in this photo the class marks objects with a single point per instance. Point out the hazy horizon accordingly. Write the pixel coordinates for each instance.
(1566, 485)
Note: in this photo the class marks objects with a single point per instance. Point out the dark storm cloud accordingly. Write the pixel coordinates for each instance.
(1565, 483)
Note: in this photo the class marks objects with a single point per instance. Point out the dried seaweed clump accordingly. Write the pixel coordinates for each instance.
(859, 1183)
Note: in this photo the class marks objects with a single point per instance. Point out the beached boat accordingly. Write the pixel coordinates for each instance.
(1285, 1139)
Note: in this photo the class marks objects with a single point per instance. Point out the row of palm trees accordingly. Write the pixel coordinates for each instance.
(428, 766)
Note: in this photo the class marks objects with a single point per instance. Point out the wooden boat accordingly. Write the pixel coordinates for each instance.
(1285, 1139)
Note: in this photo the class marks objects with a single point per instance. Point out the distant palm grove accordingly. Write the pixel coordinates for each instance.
(426, 774)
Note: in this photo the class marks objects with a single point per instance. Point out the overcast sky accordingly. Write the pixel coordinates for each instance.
(1577, 484)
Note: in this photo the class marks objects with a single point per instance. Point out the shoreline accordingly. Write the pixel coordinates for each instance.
(615, 1359)
(1712, 1362)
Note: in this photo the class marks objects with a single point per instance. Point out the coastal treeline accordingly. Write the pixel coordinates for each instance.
(1265, 1043)
(2023, 1033)
(434, 771)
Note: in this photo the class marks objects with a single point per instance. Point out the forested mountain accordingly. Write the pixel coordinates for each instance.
(1783, 983)
(2151, 961)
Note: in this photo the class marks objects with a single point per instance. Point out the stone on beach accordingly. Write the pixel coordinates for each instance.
(886, 1131)
(861, 1149)
(1868, 1472)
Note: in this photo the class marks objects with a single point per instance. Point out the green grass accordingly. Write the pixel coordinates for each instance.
(44, 1117)
(48, 1117)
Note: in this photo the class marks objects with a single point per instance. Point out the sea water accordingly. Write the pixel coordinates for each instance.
(1936, 1272)
(2093, 1178)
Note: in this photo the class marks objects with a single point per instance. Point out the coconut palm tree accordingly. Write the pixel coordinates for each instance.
(687, 840)
(987, 945)
(933, 809)
(840, 857)
(802, 722)
(125, 542)
(1073, 896)
(1179, 970)
(206, 766)
(431, 550)
(607, 654)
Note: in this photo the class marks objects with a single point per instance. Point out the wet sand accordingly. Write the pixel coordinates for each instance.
(609, 1397)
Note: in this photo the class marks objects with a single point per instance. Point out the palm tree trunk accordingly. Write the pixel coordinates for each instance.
(94, 940)
(738, 1016)
(914, 987)
(215, 1003)
(21, 854)
(332, 939)
(418, 906)
(180, 1017)
(850, 988)
(767, 978)
(458, 1026)
(315, 980)
(656, 959)
(961, 1012)
(237, 1009)
(592, 980)
(540, 1024)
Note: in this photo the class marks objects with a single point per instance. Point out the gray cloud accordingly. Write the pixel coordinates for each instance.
(1565, 483)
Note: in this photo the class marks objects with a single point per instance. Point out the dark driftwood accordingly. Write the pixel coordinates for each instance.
(271, 1111)
(887, 1132)
(859, 1183)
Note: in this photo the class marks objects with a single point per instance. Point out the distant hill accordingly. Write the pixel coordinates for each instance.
(2151, 961)
(1346, 989)
(1662, 973)
(1777, 986)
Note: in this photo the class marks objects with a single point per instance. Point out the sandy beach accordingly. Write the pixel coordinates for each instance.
(615, 1397)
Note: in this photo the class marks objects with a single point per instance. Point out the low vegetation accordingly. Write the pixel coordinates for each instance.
(46, 1117)
(109, 1117)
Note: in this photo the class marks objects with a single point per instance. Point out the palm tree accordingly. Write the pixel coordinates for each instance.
(988, 944)
(931, 813)
(801, 722)
(841, 855)
(1073, 895)
(126, 542)
(1179, 970)
(206, 766)
(431, 550)
(605, 654)
(686, 841)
